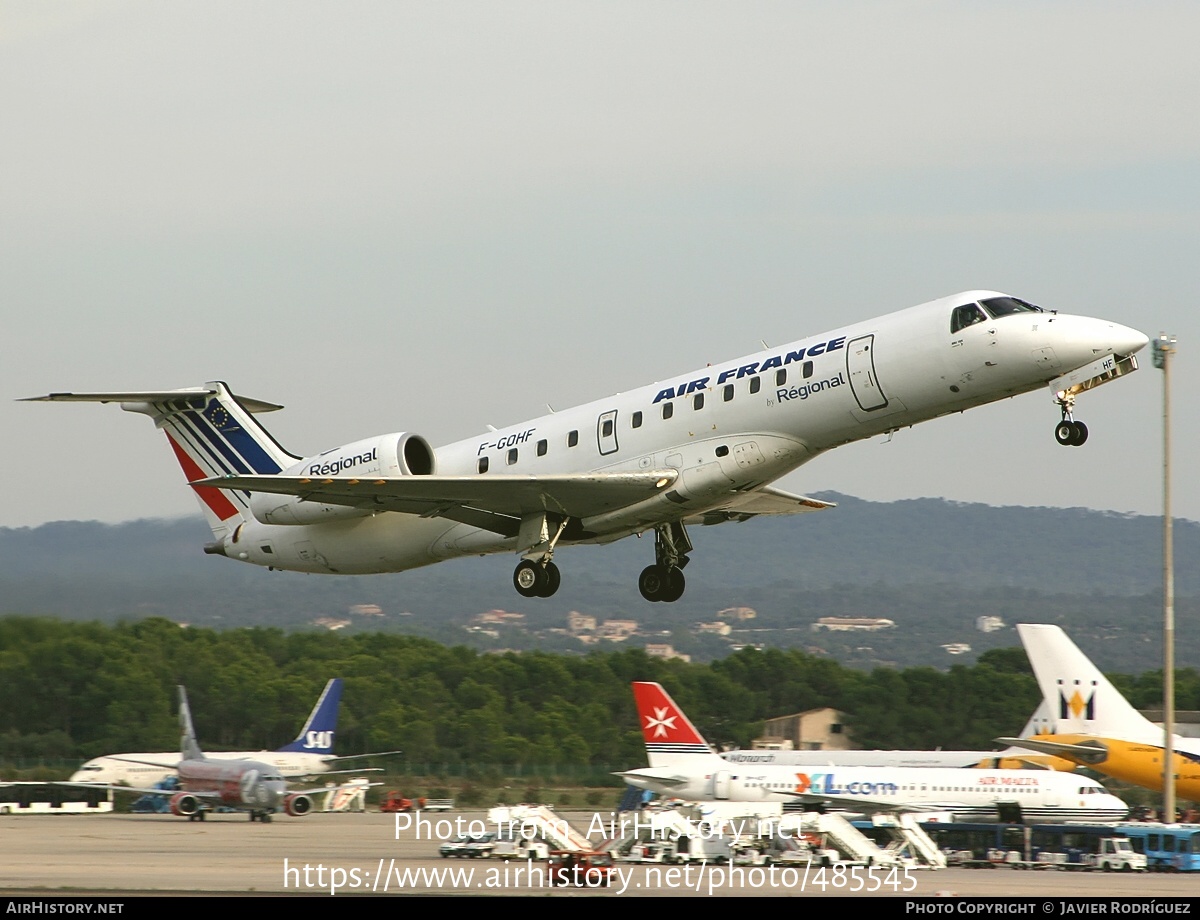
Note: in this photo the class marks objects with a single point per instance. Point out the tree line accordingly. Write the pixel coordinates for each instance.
(77, 690)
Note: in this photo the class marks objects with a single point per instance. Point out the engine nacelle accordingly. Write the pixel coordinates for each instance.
(184, 804)
(391, 455)
(297, 805)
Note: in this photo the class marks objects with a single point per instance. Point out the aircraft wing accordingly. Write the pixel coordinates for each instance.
(1087, 753)
(766, 500)
(494, 502)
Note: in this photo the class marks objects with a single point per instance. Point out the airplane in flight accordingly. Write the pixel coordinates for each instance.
(682, 765)
(700, 448)
(245, 785)
(1094, 725)
(311, 752)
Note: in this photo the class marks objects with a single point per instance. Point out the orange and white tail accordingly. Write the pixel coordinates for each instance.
(669, 734)
(212, 433)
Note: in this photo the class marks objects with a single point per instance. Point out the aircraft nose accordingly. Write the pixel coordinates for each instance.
(1126, 341)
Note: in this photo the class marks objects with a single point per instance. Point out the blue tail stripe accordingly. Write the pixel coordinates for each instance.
(202, 427)
(199, 443)
(242, 440)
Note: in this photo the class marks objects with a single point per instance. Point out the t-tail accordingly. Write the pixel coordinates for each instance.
(213, 433)
(1081, 699)
(318, 733)
(669, 735)
(189, 748)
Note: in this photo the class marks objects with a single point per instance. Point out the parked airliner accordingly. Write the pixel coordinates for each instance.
(1012, 758)
(309, 754)
(701, 448)
(245, 785)
(684, 766)
(1094, 725)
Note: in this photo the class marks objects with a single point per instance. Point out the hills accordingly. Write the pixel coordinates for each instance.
(929, 565)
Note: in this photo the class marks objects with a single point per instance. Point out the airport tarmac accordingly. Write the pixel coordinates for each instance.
(347, 854)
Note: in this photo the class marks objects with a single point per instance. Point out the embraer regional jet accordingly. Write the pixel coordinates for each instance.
(701, 448)
(684, 766)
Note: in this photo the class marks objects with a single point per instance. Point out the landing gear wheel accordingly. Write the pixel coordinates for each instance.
(652, 581)
(529, 579)
(1064, 433)
(1081, 434)
(673, 589)
(553, 580)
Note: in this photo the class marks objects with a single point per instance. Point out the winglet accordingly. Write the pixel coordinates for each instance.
(668, 733)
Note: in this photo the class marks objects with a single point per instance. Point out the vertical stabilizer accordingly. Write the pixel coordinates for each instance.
(317, 735)
(1081, 699)
(189, 749)
(669, 735)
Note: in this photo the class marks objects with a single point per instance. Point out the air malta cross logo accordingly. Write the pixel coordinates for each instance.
(660, 724)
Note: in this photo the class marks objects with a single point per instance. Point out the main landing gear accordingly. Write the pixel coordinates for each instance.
(536, 579)
(1069, 432)
(664, 580)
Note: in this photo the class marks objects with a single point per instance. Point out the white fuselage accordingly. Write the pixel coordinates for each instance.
(732, 427)
(122, 768)
(1042, 795)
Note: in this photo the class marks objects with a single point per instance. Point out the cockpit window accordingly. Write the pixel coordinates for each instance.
(966, 315)
(1003, 306)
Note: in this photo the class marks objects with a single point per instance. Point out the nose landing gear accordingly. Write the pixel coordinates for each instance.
(1069, 432)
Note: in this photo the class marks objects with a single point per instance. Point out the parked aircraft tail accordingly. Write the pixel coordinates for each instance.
(213, 433)
(1081, 699)
(668, 733)
(317, 735)
(189, 748)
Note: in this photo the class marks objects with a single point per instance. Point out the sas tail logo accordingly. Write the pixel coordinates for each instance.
(318, 741)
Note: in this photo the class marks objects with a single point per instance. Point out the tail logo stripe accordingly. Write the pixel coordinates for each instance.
(241, 439)
(215, 499)
(202, 427)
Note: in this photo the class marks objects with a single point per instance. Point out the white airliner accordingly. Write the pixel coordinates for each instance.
(1015, 757)
(700, 448)
(309, 754)
(1093, 725)
(684, 766)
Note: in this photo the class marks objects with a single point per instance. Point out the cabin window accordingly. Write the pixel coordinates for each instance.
(755, 384)
(542, 447)
(728, 393)
(698, 401)
(668, 410)
(722, 451)
(636, 420)
(780, 377)
(606, 429)
(808, 369)
(512, 456)
(572, 438)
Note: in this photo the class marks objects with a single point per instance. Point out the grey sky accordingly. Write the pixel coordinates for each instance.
(435, 216)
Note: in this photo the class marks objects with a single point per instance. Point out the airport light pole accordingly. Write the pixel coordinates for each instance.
(1164, 348)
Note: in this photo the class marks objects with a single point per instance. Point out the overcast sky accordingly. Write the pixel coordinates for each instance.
(435, 216)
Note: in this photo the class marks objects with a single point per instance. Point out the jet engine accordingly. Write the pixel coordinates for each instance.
(390, 455)
(297, 805)
(184, 804)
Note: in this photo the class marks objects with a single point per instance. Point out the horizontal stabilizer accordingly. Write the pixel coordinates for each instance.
(152, 396)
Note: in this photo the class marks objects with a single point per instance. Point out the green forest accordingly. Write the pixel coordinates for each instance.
(77, 690)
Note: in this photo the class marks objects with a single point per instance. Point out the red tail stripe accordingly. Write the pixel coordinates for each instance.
(215, 499)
